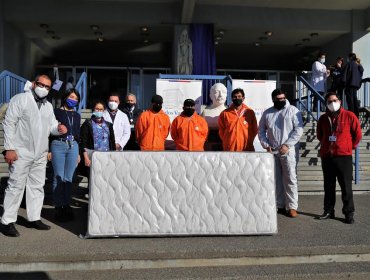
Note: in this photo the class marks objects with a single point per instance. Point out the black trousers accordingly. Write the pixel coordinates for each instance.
(352, 101)
(338, 168)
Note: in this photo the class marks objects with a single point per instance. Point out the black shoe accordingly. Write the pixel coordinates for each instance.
(281, 211)
(68, 212)
(327, 215)
(349, 219)
(59, 214)
(9, 230)
(39, 225)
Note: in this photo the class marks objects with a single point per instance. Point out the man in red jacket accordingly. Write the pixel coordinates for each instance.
(339, 132)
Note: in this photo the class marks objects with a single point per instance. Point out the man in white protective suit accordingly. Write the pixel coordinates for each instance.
(28, 122)
(121, 125)
(279, 131)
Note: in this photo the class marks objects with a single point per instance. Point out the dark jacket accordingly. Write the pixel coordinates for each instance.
(347, 130)
(134, 115)
(352, 74)
(87, 137)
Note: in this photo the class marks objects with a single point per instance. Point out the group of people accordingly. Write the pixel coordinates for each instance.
(30, 120)
(344, 78)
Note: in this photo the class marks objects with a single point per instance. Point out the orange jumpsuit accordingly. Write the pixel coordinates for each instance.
(189, 133)
(152, 130)
(237, 129)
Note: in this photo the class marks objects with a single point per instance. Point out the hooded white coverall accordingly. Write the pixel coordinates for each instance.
(278, 127)
(26, 130)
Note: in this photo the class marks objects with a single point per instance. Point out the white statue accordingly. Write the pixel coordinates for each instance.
(218, 94)
(184, 54)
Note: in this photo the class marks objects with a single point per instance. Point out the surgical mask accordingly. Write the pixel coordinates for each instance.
(279, 104)
(98, 114)
(189, 112)
(157, 107)
(333, 107)
(71, 103)
(113, 105)
(41, 92)
(237, 102)
(322, 60)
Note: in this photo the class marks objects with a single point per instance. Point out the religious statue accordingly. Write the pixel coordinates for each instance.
(184, 54)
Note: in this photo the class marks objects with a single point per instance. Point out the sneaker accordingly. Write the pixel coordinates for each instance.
(349, 219)
(327, 215)
(292, 213)
(68, 212)
(9, 230)
(281, 211)
(39, 225)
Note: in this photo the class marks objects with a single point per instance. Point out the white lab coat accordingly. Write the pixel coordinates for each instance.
(26, 130)
(319, 76)
(278, 127)
(121, 127)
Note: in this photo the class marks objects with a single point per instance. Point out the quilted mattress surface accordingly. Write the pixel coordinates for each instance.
(181, 193)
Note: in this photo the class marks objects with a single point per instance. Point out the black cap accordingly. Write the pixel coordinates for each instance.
(157, 99)
(189, 102)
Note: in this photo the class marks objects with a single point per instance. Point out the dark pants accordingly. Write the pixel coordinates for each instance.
(352, 101)
(338, 168)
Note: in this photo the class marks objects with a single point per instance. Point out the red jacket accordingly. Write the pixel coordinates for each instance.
(345, 128)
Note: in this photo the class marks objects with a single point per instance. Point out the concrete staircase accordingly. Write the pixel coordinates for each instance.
(310, 177)
(309, 167)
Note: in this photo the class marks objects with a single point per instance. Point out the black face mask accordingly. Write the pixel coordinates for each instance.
(129, 105)
(237, 102)
(279, 104)
(189, 112)
(157, 107)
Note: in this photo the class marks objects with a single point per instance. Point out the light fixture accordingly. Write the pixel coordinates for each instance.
(94, 27)
(257, 44)
(305, 39)
(314, 34)
(262, 38)
(268, 33)
(100, 39)
(218, 38)
(217, 42)
(146, 41)
(50, 32)
(56, 37)
(144, 29)
(221, 32)
(98, 33)
(44, 26)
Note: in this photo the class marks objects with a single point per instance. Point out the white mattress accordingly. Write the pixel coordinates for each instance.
(181, 193)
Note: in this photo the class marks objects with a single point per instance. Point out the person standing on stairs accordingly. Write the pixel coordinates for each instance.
(339, 132)
(64, 155)
(280, 129)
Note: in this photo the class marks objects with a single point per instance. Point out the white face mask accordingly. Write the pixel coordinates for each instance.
(41, 92)
(112, 105)
(322, 60)
(333, 107)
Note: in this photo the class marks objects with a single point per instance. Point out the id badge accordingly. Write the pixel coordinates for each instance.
(332, 138)
(132, 126)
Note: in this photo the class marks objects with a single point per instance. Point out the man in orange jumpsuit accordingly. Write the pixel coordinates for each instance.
(189, 130)
(237, 124)
(153, 126)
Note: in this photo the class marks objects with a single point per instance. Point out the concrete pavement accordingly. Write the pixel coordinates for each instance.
(303, 245)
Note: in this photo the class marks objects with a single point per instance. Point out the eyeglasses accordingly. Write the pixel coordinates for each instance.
(41, 85)
(331, 101)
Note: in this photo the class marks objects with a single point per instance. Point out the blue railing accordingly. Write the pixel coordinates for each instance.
(10, 85)
(81, 87)
(306, 91)
(208, 81)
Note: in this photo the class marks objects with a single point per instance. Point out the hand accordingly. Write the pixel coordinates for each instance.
(268, 149)
(10, 157)
(87, 162)
(62, 128)
(49, 156)
(283, 149)
(78, 159)
(118, 147)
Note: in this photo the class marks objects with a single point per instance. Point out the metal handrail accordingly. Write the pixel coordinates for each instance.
(10, 85)
(81, 87)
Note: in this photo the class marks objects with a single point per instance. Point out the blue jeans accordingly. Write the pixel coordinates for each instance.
(64, 161)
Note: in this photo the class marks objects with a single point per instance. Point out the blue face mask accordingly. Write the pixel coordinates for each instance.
(71, 103)
(98, 114)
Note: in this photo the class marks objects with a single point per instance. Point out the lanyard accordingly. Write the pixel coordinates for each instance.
(70, 122)
(333, 124)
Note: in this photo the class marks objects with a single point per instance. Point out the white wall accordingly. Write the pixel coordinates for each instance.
(361, 48)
